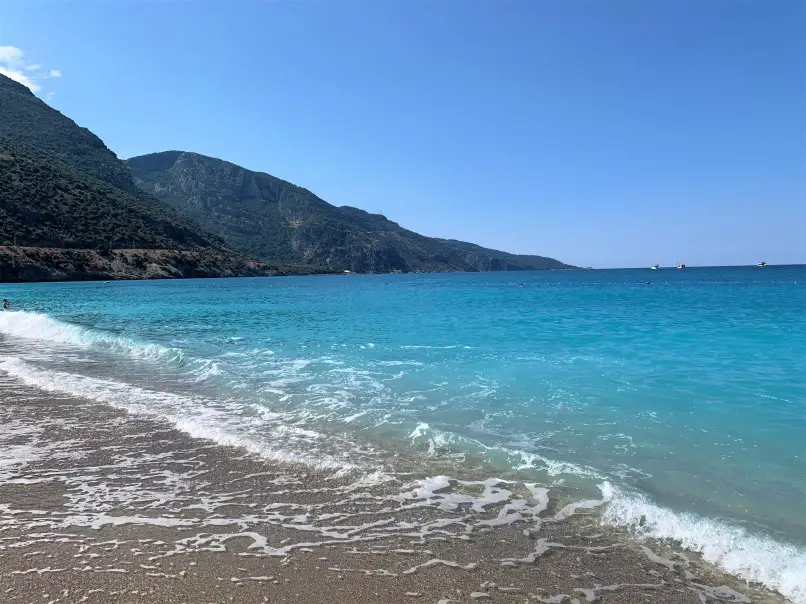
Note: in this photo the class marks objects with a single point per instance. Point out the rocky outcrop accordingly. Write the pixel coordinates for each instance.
(18, 264)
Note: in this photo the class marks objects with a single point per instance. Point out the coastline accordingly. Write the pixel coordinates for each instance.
(25, 264)
(38, 264)
(97, 504)
(22, 264)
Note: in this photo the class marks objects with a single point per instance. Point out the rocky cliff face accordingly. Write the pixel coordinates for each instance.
(275, 220)
(21, 264)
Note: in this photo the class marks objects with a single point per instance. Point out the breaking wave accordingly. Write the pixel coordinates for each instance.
(756, 558)
(39, 326)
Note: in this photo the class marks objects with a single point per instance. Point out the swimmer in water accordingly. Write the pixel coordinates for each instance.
(5, 304)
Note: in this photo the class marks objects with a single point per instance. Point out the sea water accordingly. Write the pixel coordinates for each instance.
(677, 395)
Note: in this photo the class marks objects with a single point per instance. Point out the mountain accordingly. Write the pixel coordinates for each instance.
(62, 188)
(272, 219)
(70, 209)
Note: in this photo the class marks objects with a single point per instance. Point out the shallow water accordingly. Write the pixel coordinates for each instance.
(682, 400)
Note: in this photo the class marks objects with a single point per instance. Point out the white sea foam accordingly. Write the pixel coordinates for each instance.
(779, 566)
(427, 347)
(521, 460)
(400, 363)
(267, 435)
(351, 418)
(441, 440)
(39, 326)
(420, 430)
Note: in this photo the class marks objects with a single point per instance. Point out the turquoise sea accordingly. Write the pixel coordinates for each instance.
(681, 401)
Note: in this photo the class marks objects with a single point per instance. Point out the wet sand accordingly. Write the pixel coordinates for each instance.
(98, 506)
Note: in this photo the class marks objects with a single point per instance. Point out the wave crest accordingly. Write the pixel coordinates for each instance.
(39, 326)
(776, 565)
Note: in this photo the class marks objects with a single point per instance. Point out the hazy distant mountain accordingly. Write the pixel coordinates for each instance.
(275, 220)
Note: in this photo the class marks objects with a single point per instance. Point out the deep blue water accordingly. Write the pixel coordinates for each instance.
(683, 399)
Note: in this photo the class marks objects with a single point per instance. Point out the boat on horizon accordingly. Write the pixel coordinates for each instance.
(762, 263)
(681, 265)
(655, 267)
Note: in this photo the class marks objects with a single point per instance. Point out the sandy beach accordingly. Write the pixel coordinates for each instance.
(100, 506)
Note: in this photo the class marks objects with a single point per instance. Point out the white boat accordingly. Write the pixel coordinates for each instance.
(681, 265)
(655, 267)
(762, 263)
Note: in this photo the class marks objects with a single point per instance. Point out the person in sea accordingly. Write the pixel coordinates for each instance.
(5, 304)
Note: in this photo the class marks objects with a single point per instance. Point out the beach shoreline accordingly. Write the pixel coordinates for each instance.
(97, 505)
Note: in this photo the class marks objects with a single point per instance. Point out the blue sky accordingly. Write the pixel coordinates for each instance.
(603, 133)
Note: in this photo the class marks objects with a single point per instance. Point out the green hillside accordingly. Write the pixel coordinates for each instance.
(61, 187)
(275, 220)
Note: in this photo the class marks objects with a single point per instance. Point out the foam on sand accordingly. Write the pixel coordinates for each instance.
(225, 422)
(778, 566)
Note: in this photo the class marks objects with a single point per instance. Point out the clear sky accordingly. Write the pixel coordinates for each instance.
(600, 132)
